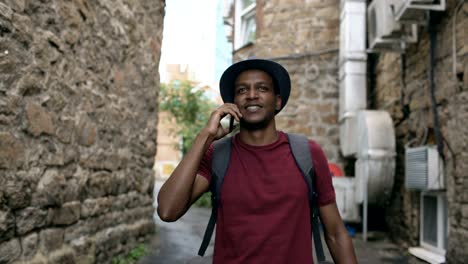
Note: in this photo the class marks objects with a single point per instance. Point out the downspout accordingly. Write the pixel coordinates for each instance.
(367, 135)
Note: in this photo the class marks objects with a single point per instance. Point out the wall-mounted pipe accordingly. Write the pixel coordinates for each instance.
(352, 73)
(366, 135)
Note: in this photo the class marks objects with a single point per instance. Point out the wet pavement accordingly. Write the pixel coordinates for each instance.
(178, 242)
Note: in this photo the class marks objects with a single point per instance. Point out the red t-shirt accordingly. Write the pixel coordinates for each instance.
(263, 216)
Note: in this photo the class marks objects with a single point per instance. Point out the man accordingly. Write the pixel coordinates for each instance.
(263, 215)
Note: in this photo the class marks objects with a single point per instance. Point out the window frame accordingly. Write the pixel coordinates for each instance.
(242, 16)
(442, 218)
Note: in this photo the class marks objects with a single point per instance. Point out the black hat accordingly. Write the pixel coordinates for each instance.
(278, 74)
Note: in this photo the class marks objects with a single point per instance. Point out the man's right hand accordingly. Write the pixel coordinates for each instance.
(214, 127)
(185, 186)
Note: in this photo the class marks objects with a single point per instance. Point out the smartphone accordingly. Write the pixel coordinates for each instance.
(231, 124)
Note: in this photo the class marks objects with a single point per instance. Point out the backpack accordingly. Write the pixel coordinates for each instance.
(220, 161)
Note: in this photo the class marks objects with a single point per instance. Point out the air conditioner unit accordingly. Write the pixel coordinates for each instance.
(384, 32)
(423, 169)
(415, 11)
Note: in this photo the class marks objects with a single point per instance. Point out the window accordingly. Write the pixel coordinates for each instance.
(433, 232)
(434, 221)
(245, 24)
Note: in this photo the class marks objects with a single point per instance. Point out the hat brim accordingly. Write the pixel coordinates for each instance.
(278, 73)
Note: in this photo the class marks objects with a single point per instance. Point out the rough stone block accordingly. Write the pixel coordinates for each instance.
(99, 184)
(94, 207)
(29, 219)
(65, 131)
(62, 156)
(129, 200)
(30, 84)
(330, 119)
(48, 49)
(10, 250)
(87, 131)
(462, 168)
(146, 200)
(110, 238)
(143, 180)
(137, 214)
(81, 228)
(464, 223)
(63, 256)
(17, 192)
(107, 220)
(50, 240)
(72, 190)
(119, 203)
(101, 161)
(67, 214)
(142, 228)
(85, 250)
(50, 189)
(23, 24)
(7, 225)
(11, 151)
(39, 120)
(29, 244)
(5, 11)
(456, 253)
(38, 259)
(121, 181)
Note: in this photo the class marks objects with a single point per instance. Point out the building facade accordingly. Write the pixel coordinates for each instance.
(425, 91)
(308, 47)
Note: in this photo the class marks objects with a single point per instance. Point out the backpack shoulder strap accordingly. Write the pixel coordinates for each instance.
(299, 145)
(300, 149)
(219, 165)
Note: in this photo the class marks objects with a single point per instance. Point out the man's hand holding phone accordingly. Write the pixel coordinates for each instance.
(214, 127)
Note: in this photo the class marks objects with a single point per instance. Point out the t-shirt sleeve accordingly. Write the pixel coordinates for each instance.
(204, 169)
(323, 180)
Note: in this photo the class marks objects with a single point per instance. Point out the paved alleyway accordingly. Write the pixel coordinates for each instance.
(178, 243)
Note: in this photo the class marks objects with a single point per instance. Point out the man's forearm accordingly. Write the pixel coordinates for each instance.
(341, 247)
(174, 196)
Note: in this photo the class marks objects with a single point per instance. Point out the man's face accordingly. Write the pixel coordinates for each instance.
(255, 96)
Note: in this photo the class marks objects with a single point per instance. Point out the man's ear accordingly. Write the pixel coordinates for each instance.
(278, 102)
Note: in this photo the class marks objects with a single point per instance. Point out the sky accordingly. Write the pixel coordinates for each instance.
(192, 36)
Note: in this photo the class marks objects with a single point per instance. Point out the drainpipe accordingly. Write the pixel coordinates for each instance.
(367, 135)
(352, 71)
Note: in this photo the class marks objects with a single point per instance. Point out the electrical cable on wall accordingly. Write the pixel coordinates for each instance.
(454, 38)
(435, 115)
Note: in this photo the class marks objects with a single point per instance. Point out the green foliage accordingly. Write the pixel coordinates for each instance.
(132, 257)
(204, 200)
(190, 108)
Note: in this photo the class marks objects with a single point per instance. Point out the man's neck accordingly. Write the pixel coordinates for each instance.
(259, 137)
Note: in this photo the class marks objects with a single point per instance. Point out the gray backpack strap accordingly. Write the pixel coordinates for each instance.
(301, 151)
(219, 165)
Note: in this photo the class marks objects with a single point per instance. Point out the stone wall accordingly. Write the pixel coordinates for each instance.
(78, 112)
(405, 94)
(308, 48)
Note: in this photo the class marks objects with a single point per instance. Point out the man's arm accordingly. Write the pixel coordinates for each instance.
(184, 185)
(338, 240)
